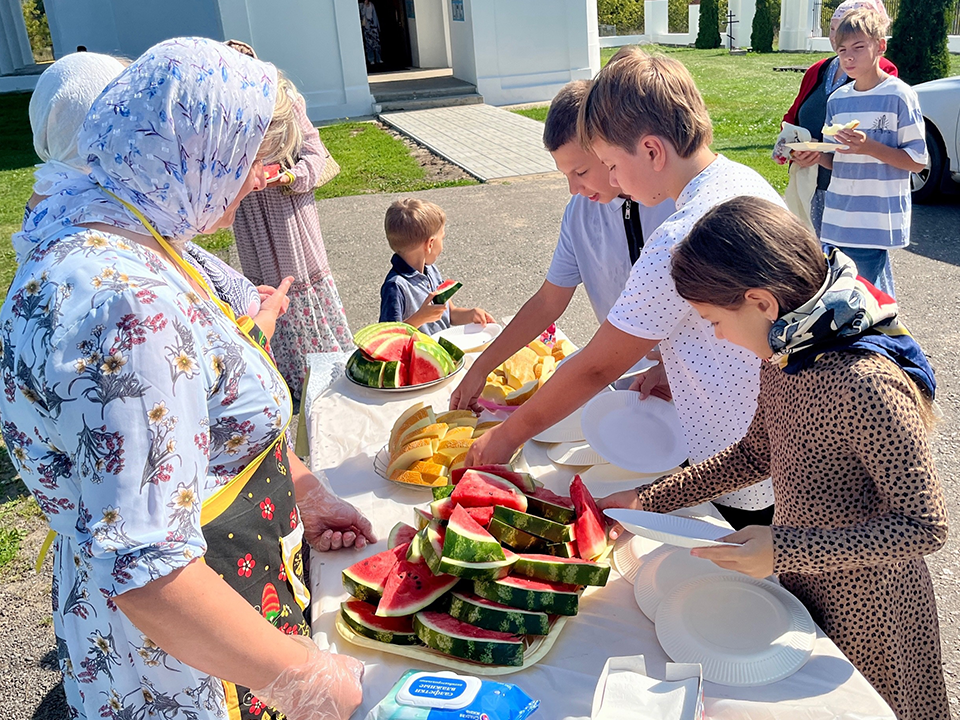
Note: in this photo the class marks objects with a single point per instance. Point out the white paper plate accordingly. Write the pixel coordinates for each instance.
(670, 529)
(743, 631)
(472, 337)
(817, 146)
(662, 570)
(641, 365)
(574, 453)
(613, 474)
(629, 554)
(567, 430)
(640, 435)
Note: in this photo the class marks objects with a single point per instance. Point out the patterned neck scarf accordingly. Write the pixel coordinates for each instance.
(175, 135)
(847, 313)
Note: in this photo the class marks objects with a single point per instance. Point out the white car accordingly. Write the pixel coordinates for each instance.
(940, 103)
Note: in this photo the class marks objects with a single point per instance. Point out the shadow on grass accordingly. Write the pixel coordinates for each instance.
(16, 138)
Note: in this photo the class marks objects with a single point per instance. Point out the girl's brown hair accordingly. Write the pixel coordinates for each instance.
(747, 243)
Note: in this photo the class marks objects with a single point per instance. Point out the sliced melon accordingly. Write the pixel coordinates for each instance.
(399, 423)
(422, 517)
(562, 348)
(831, 130)
(412, 477)
(539, 347)
(439, 459)
(459, 462)
(409, 454)
(464, 432)
(573, 571)
(530, 594)
(522, 394)
(483, 427)
(548, 366)
(496, 394)
(453, 448)
(428, 468)
(456, 417)
(434, 430)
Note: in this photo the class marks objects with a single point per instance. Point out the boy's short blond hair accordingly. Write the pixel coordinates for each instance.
(411, 222)
(638, 94)
(862, 22)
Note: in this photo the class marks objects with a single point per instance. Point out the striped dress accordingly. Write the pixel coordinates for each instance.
(867, 204)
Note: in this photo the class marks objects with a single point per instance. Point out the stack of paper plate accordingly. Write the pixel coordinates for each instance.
(472, 337)
(665, 568)
(565, 431)
(574, 453)
(670, 529)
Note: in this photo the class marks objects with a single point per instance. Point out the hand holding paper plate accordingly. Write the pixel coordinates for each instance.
(670, 529)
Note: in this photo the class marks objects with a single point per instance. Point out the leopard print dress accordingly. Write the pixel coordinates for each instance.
(858, 505)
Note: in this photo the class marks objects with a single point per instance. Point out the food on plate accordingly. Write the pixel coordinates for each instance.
(454, 637)
(432, 543)
(590, 533)
(466, 539)
(830, 130)
(272, 171)
(478, 489)
(411, 453)
(411, 587)
(445, 291)
(366, 579)
(575, 571)
(529, 594)
(399, 534)
(394, 355)
(458, 418)
(362, 619)
(562, 348)
(524, 481)
(541, 527)
(490, 615)
(482, 427)
(520, 376)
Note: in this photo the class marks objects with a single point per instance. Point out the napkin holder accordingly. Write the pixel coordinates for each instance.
(674, 674)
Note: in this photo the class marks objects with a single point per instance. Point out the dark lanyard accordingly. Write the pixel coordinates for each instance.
(633, 228)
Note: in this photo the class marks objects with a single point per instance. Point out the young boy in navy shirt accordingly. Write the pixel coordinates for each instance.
(415, 230)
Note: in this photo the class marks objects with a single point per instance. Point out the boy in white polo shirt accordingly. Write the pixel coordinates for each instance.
(601, 235)
(646, 121)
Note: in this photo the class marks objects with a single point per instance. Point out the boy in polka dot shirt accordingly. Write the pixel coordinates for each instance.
(645, 119)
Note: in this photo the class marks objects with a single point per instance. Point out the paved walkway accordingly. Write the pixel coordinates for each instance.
(485, 141)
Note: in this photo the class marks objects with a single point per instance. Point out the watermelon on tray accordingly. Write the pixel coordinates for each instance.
(455, 353)
(442, 491)
(529, 594)
(514, 538)
(362, 619)
(523, 481)
(400, 533)
(541, 527)
(428, 362)
(591, 534)
(431, 545)
(549, 505)
(466, 540)
(445, 291)
(412, 587)
(454, 637)
(366, 579)
(477, 489)
(573, 571)
(482, 515)
(490, 615)
(563, 550)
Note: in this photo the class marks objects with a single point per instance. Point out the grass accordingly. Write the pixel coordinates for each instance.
(745, 97)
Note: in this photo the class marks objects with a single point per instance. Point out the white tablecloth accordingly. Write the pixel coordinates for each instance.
(347, 426)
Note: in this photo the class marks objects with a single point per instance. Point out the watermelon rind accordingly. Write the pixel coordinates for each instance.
(550, 510)
(366, 578)
(529, 594)
(432, 548)
(415, 551)
(362, 621)
(453, 351)
(422, 517)
(369, 331)
(554, 569)
(392, 374)
(387, 346)
(399, 534)
(442, 491)
(446, 634)
(446, 291)
(406, 578)
(512, 537)
(479, 489)
(442, 509)
(541, 527)
(467, 541)
(563, 550)
(494, 616)
(525, 482)
(364, 370)
(432, 348)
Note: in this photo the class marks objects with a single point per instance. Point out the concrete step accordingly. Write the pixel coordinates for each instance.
(426, 103)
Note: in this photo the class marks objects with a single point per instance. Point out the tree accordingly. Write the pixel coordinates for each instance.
(919, 44)
(708, 35)
(761, 39)
(35, 19)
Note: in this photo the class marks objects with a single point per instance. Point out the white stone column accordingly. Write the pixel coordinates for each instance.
(15, 51)
(693, 22)
(796, 23)
(743, 11)
(656, 18)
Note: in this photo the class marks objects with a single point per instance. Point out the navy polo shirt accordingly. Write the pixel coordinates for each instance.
(404, 292)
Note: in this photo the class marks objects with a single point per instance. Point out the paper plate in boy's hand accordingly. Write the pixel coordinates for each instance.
(472, 337)
(812, 146)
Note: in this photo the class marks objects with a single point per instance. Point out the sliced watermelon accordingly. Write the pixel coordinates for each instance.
(412, 587)
(365, 333)
(514, 538)
(442, 491)
(389, 345)
(422, 517)
(541, 527)
(362, 620)
(466, 540)
(366, 579)
(462, 640)
(442, 509)
(400, 533)
(573, 571)
(432, 547)
(591, 535)
(428, 362)
(548, 504)
(482, 515)
(477, 489)
(493, 616)
(445, 291)
(563, 550)
(415, 551)
(391, 376)
(364, 370)
(453, 351)
(530, 594)
(523, 481)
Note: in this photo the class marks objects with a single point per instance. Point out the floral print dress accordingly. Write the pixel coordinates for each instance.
(127, 401)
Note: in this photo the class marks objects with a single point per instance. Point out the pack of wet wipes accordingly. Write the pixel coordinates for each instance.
(445, 695)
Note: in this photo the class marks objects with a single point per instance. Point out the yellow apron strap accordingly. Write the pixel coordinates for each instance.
(44, 549)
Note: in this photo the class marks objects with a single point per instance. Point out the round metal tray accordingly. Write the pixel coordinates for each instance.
(408, 388)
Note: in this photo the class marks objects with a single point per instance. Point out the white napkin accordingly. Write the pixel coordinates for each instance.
(624, 692)
(803, 181)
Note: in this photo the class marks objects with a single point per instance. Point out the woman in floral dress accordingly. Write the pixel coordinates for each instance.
(149, 426)
(278, 235)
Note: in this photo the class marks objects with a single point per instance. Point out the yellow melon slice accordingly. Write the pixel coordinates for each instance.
(409, 454)
(405, 415)
(539, 347)
(436, 430)
(497, 394)
(396, 441)
(521, 395)
(562, 348)
(481, 428)
(402, 428)
(459, 433)
(837, 127)
(458, 417)
(547, 367)
(438, 459)
(459, 461)
(452, 448)
(426, 467)
(519, 367)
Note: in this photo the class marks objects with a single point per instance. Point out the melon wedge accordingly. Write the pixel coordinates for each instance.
(412, 477)
(366, 578)
(541, 527)
(439, 459)
(573, 571)
(399, 423)
(452, 448)
(399, 534)
(460, 432)
(431, 546)
(522, 394)
(428, 362)
(409, 454)
(483, 427)
(434, 430)
(459, 462)
(458, 418)
(524, 481)
(420, 418)
(428, 468)
(562, 348)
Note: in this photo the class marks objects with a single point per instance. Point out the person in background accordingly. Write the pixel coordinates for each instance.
(810, 106)
(415, 230)
(370, 25)
(867, 207)
(278, 235)
(149, 425)
(601, 235)
(855, 513)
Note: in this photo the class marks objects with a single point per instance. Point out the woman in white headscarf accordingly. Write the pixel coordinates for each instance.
(149, 424)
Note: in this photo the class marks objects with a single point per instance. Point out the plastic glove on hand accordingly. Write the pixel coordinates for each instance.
(330, 523)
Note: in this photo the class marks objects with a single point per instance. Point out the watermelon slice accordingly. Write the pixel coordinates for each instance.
(366, 579)
(412, 587)
(482, 515)
(445, 291)
(541, 527)
(400, 533)
(365, 333)
(442, 509)
(591, 535)
(489, 615)
(391, 374)
(428, 362)
(415, 551)
(272, 171)
(364, 370)
(453, 351)
(477, 489)
(523, 481)
(466, 540)
(422, 517)
(431, 546)
(512, 537)
(563, 550)
(442, 491)
(389, 345)
(530, 594)
(453, 637)
(362, 620)
(565, 570)
(549, 505)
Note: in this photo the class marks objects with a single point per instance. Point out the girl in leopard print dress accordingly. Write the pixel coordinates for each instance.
(841, 427)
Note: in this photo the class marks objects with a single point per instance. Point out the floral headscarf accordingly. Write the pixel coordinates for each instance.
(848, 5)
(174, 135)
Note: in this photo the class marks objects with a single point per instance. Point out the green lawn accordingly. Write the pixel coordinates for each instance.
(745, 97)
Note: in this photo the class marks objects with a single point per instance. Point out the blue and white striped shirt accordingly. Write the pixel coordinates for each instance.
(868, 202)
